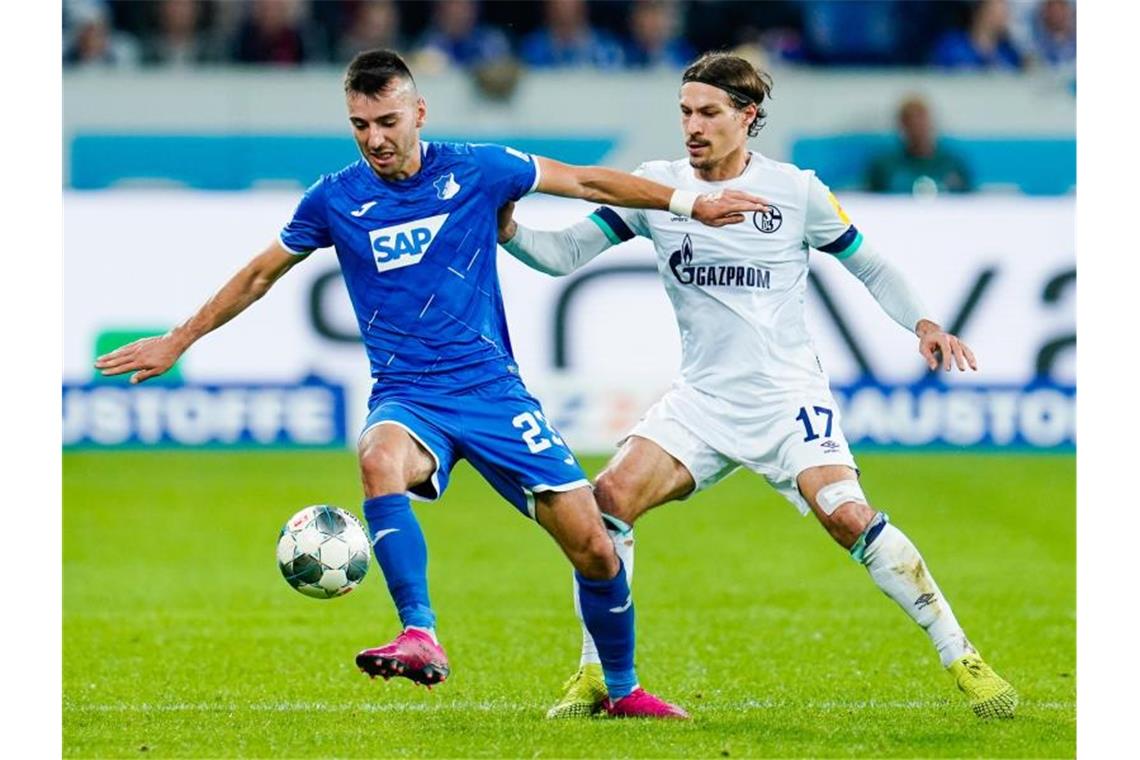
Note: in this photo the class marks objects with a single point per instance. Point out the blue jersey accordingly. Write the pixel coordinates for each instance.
(419, 260)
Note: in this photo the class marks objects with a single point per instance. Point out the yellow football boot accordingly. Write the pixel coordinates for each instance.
(582, 695)
(990, 695)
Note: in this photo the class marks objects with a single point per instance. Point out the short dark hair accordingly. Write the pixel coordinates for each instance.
(373, 71)
(743, 83)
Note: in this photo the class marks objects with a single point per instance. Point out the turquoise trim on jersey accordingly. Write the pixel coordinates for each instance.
(605, 228)
(850, 250)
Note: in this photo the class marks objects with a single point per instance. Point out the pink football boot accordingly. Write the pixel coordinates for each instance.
(413, 654)
(641, 704)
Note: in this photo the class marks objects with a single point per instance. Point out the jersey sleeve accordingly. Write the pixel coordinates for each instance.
(508, 174)
(308, 230)
(621, 224)
(827, 227)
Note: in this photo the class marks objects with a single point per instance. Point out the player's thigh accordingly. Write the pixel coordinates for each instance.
(508, 439)
(400, 445)
(642, 475)
(390, 447)
(665, 457)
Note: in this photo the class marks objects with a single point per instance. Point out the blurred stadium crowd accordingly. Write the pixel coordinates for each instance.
(609, 34)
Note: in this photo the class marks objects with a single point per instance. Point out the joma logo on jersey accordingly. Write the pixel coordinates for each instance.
(726, 275)
(404, 244)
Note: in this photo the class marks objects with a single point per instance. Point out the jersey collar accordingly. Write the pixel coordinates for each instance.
(753, 157)
(425, 157)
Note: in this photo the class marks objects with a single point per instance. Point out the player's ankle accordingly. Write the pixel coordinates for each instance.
(621, 686)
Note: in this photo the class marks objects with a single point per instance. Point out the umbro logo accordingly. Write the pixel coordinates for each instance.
(924, 600)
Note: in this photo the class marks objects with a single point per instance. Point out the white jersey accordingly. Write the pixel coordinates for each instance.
(738, 290)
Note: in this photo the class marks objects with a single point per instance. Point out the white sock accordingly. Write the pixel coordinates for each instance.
(899, 570)
(623, 546)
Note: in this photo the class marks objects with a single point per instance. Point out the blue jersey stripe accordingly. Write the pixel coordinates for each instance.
(844, 245)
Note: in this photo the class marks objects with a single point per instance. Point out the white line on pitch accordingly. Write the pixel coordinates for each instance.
(495, 706)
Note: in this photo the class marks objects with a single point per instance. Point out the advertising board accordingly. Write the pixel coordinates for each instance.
(598, 347)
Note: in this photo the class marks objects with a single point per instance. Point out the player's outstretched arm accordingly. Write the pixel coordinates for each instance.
(553, 252)
(151, 357)
(887, 284)
(611, 187)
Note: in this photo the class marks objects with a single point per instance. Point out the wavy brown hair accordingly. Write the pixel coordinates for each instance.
(744, 83)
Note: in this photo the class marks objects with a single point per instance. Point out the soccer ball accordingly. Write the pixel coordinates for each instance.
(323, 552)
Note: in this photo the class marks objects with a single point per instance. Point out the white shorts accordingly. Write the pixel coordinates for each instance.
(778, 438)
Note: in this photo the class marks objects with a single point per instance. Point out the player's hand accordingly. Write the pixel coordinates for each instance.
(147, 358)
(507, 225)
(936, 345)
(726, 207)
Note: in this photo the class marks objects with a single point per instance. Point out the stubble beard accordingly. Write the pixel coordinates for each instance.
(702, 164)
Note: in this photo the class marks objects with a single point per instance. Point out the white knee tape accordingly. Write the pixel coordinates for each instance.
(831, 496)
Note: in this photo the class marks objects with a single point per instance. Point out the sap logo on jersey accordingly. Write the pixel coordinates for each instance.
(404, 244)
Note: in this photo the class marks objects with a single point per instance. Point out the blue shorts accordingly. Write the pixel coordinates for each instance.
(498, 427)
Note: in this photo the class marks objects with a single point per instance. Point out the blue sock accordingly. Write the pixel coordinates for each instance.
(607, 610)
(402, 553)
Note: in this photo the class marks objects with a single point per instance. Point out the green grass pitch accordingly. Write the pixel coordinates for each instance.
(181, 638)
